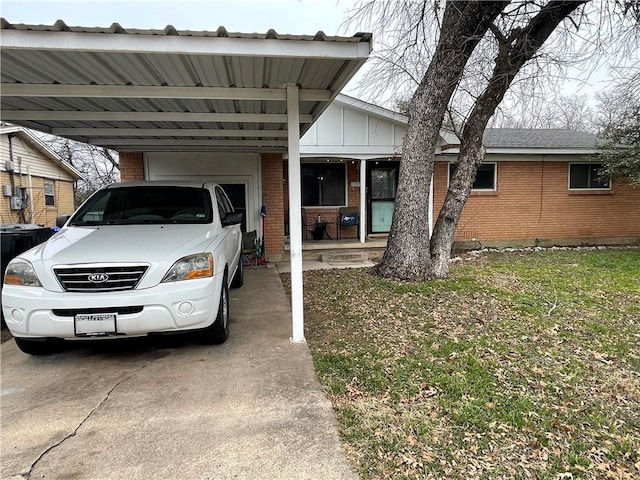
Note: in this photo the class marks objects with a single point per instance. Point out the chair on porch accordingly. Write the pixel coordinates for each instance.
(305, 230)
(347, 217)
(250, 249)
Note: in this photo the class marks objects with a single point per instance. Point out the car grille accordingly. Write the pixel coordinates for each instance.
(100, 278)
(72, 312)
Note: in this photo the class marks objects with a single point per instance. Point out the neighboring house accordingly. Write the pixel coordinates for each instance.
(535, 187)
(37, 185)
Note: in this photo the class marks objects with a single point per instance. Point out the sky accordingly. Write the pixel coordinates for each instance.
(285, 16)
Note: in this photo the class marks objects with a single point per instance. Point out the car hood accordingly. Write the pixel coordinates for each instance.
(159, 246)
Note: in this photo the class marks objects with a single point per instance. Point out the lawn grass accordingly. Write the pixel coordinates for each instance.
(517, 366)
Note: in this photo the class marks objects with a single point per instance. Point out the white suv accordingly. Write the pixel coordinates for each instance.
(134, 259)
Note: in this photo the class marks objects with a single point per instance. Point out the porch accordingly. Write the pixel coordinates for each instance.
(349, 250)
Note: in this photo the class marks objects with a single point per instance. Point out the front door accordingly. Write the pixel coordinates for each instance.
(383, 182)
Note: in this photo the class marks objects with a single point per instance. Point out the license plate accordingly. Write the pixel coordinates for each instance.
(97, 324)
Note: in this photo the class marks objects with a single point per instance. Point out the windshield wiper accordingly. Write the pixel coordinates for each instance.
(90, 223)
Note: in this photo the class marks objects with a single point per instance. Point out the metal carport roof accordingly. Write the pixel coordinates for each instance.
(145, 90)
(172, 90)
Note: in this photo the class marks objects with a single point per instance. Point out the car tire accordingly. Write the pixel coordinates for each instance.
(218, 331)
(238, 277)
(46, 346)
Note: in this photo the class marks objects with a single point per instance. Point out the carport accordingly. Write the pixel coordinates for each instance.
(179, 91)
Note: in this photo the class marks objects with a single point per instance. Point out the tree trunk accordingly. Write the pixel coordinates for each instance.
(408, 256)
(514, 52)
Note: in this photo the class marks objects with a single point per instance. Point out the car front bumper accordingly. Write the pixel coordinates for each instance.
(168, 307)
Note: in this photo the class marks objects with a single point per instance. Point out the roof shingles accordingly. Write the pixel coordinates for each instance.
(538, 138)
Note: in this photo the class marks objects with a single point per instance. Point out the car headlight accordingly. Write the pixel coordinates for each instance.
(21, 272)
(193, 266)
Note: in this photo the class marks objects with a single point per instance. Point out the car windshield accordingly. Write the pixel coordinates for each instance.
(146, 205)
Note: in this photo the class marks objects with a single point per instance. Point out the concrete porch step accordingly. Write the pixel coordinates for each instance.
(337, 257)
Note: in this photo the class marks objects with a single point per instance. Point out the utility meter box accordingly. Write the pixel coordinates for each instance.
(16, 203)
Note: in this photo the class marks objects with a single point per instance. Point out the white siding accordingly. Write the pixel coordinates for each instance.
(350, 132)
(355, 127)
(398, 134)
(380, 132)
(330, 127)
(39, 164)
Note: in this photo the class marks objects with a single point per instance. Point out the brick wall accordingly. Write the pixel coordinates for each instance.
(533, 201)
(42, 214)
(131, 166)
(272, 197)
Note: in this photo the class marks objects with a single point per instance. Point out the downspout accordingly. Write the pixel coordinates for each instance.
(430, 212)
(30, 190)
(363, 201)
(541, 190)
(12, 177)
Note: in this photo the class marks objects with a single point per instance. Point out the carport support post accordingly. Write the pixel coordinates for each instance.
(363, 201)
(295, 219)
(430, 212)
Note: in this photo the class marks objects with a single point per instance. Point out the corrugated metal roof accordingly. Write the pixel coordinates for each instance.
(220, 32)
(56, 78)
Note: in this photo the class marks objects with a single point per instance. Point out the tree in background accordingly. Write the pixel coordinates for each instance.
(572, 112)
(508, 58)
(518, 41)
(98, 165)
(463, 26)
(620, 131)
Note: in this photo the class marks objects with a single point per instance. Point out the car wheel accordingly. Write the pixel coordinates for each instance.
(218, 332)
(238, 278)
(46, 346)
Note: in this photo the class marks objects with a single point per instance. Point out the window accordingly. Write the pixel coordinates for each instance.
(224, 206)
(383, 183)
(485, 177)
(323, 184)
(49, 193)
(587, 176)
(146, 205)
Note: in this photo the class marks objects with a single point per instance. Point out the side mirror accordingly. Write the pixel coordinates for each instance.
(232, 219)
(61, 220)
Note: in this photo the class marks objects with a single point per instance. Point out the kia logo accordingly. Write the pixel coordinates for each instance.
(98, 277)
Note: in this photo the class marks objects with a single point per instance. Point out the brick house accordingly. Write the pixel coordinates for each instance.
(37, 185)
(535, 187)
(227, 106)
(542, 187)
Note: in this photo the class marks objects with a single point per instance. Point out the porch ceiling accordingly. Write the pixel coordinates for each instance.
(169, 90)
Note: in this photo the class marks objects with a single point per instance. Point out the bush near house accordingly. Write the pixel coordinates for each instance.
(517, 366)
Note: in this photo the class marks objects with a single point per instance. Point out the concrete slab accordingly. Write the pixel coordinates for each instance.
(285, 266)
(251, 408)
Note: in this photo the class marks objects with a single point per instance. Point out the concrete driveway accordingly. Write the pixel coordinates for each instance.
(251, 408)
